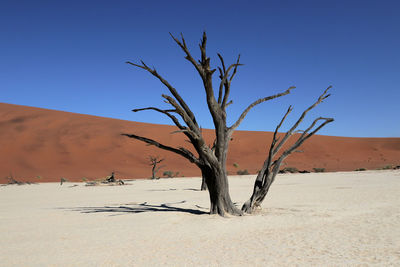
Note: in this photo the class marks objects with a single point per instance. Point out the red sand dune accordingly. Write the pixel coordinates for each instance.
(40, 145)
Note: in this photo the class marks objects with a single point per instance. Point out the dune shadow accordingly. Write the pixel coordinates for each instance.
(139, 208)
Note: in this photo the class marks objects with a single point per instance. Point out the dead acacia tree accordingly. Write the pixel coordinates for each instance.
(154, 161)
(211, 159)
(270, 168)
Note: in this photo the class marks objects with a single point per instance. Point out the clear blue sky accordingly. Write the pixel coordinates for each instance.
(69, 55)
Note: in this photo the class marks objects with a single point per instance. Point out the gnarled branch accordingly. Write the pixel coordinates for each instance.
(169, 86)
(166, 112)
(189, 57)
(180, 151)
(255, 103)
(225, 83)
(289, 133)
(193, 128)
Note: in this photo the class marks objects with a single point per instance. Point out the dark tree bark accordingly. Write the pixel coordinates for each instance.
(210, 159)
(203, 183)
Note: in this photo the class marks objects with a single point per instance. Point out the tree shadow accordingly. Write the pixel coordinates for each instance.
(139, 208)
(174, 189)
(192, 189)
(162, 190)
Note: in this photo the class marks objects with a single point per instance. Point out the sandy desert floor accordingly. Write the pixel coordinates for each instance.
(328, 219)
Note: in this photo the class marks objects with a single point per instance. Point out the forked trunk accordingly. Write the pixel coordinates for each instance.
(218, 188)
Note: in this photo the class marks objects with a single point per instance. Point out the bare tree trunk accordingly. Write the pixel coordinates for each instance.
(153, 172)
(154, 161)
(218, 188)
(259, 193)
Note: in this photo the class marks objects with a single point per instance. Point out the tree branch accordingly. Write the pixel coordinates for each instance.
(307, 135)
(193, 136)
(228, 83)
(173, 91)
(166, 112)
(289, 133)
(221, 76)
(155, 160)
(189, 57)
(255, 103)
(303, 137)
(275, 139)
(180, 151)
(193, 128)
(205, 61)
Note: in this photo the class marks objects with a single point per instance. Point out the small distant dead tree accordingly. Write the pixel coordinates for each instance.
(211, 159)
(111, 179)
(154, 161)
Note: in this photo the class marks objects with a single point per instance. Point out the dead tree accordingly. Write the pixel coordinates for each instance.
(111, 179)
(154, 161)
(210, 159)
(266, 176)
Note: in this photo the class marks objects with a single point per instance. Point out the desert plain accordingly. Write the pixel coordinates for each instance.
(315, 219)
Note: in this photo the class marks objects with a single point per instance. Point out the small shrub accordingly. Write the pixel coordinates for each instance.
(235, 165)
(319, 169)
(242, 172)
(387, 167)
(290, 169)
(170, 174)
(360, 169)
